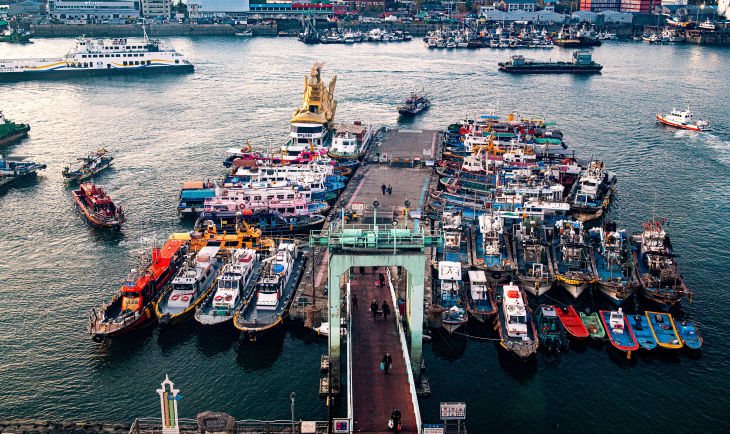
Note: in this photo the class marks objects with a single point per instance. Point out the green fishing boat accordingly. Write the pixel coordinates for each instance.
(593, 324)
(10, 131)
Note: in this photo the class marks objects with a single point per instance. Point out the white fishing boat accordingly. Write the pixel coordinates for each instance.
(683, 119)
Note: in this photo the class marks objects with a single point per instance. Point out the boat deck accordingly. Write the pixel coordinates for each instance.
(375, 394)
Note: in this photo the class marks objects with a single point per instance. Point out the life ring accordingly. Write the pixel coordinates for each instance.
(241, 206)
(229, 297)
(545, 330)
(225, 192)
(184, 298)
(218, 298)
(174, 297)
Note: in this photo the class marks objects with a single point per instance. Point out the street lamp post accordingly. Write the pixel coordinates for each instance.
(292, 396)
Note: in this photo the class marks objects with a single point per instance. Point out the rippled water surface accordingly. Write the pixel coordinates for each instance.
(166, 129)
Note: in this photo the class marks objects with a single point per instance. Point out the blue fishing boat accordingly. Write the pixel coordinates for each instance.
(480, 303)
(689, 334)
(192, 196)
(642, 331)
(619, 330)
(614, 262)
(451, 296)
(664, 330)
(490, 248)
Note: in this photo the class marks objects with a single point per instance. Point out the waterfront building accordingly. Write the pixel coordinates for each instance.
(370, 4)
(82, 12)
(638, 6)
(676, 2)
(26, 8)
(600, 5)
(518, 5)
(156, 8)
(203, 9)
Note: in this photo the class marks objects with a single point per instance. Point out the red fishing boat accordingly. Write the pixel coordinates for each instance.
(572, 322)
(134, 305)
(98, 207)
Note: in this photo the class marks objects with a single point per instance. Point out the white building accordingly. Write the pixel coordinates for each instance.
(723, 8)
(675, 2)
(198, 9)
(80, 11)
(156, 8)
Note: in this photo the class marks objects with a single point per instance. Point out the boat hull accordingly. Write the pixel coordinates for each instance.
(575, 287)
(83, 72)
(452, 326)
(551, 69)
(536, 287)
(617, 293)
(146, 318)
(15, 136)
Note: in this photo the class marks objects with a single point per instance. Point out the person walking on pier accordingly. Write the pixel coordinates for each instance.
(387, 361)
(354, 302)
(390, 190)
(386, 310)
(381, 279)
(383, 187)
(374, 308)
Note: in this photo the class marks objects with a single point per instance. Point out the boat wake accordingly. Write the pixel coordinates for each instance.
(718, 148)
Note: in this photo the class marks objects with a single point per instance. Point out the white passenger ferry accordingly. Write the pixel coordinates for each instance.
(100, 56)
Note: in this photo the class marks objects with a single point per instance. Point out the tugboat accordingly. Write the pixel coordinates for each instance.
(12, 168)
(98, 207)
(480, 300)
(94, 163)
(233, 291)
(516, 328)
(273, 292)
(659, 278)
(414, 104)
(614, 262)
(451, 296)
(189, 288)
(550, 331)
(134, 306)
(534, 257)
(591, 195)
(10, 131)
(683, 120)
(574, 267)
(582, 64)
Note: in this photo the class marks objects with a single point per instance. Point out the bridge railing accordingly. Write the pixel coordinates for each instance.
(406, 355)
(350, 399)
(154, 425)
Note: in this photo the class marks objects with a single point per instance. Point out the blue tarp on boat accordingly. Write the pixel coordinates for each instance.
(197, 194)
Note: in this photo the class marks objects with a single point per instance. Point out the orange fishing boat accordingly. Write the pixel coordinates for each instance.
(134, 305)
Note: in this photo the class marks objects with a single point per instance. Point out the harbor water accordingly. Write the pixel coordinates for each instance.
(166, 129)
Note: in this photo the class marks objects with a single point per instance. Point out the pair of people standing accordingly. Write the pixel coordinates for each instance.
(385, 189)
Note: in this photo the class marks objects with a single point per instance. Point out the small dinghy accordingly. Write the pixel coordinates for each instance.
(664, 330)
(572, 322)
(619, 330)
(689, 334)
(593, 325)
(549, 330)
(642, 331)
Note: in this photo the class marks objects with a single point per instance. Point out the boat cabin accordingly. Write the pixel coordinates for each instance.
(616, 321)
(234, 274)
(515, 313)
(479, 286)
(582, 58)
(270, 286)
(450, 276)
(190, 281)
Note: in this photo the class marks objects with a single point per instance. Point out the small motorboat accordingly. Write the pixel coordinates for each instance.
(664, 330)
(642, 331)
(572, 322)
(619, 331)
(593, 324)
(689, 334)
(98, 207)
(683, 120)
(451, 296)
(549, 330)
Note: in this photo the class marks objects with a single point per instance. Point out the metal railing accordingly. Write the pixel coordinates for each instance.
(406, 356)
(350, 399)
(372, 237)
(154, 425)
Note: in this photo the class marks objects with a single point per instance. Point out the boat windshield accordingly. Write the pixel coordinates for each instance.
(227, 284)
(519, 319)
(182, 287)
(134, 294)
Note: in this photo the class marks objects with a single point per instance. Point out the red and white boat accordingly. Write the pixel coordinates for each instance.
(98, 207)
(683, 119)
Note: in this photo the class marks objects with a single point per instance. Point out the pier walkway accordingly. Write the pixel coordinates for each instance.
(375, 394)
